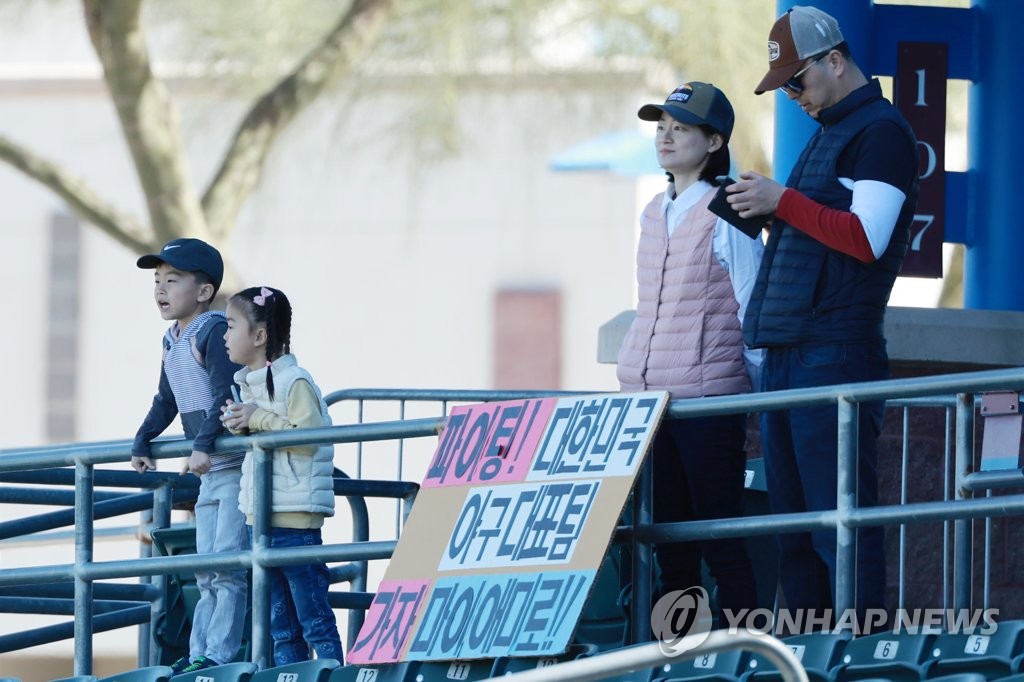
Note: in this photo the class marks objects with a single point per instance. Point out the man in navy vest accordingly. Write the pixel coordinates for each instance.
(838, 234)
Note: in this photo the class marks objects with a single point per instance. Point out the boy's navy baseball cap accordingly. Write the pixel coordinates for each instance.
(188, 255)
(695, 103)
(798, 35)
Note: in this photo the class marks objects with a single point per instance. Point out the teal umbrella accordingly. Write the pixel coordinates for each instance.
(625, 152)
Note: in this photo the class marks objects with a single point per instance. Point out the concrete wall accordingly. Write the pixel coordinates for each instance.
(941, 340)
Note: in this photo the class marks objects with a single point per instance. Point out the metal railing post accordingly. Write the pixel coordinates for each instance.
(262, 647)
(83, 556)
(846, 501)
(962, 533)
(160, 518)
(640, 608)
(904, 476)
(357, 582)
(947, 465)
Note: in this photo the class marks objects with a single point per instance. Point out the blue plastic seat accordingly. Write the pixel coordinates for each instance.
(73, 678)
(505, 666)
(229, 672)
(174, 625)
(154, 673)
(603, 621)
(724, 666)
(820, 653)
(460, 671)
(961, 677)
(1019, 677)
(996, 655)
(390, 672)
(900, 657)
(317, 670)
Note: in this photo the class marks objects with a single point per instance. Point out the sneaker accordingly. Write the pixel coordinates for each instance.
(180, 664)
(201, 663)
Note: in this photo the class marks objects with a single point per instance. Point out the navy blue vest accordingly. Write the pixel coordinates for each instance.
(808, 294)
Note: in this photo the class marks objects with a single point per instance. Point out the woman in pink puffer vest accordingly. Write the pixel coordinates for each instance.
(695, 272)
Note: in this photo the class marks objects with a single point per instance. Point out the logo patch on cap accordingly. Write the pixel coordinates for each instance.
(681, 94)
(773, 50)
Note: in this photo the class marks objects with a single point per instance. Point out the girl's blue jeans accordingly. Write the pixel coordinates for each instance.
(300, 616)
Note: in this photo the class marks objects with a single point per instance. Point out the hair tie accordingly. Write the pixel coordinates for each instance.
(268, 363)
(263, 296)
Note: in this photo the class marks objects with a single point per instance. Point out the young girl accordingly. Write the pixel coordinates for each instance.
(277, 394)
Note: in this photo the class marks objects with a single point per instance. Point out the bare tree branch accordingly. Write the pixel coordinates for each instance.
(242, 166)
(79, 196)
(148, 118)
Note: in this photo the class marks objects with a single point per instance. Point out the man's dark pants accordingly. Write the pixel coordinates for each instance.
(800, 456)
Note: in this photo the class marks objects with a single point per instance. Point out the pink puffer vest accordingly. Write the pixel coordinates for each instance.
(685, 337)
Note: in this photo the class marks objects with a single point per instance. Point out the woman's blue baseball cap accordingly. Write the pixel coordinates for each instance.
(695, 103)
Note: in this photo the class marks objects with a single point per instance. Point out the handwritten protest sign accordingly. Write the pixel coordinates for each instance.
(511, 523)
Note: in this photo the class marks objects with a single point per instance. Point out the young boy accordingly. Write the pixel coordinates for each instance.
(195, 380)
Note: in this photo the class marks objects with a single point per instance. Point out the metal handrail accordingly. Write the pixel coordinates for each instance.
(628, 659)
(83, 456)
(27, 464)
(951, 391)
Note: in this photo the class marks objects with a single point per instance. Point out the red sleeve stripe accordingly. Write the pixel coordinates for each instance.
(839, 230)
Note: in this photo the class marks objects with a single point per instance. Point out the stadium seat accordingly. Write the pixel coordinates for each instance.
(1019, 677)
(961, 677)
(229, 672)
(996, 655)
(73, 678)
(655, 672)
(603, 621)
(901, 657)
(820, 653)
(391, 672)
(153, 673)
(317, 670)
(505, 666)
(724, 666)
(174, 626)
(463, 671)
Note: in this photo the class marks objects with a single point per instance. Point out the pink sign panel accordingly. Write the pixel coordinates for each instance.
(389, 621)
(489, 443)
(510, 525)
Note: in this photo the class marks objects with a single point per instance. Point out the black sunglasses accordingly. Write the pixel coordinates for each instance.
(795, 84)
